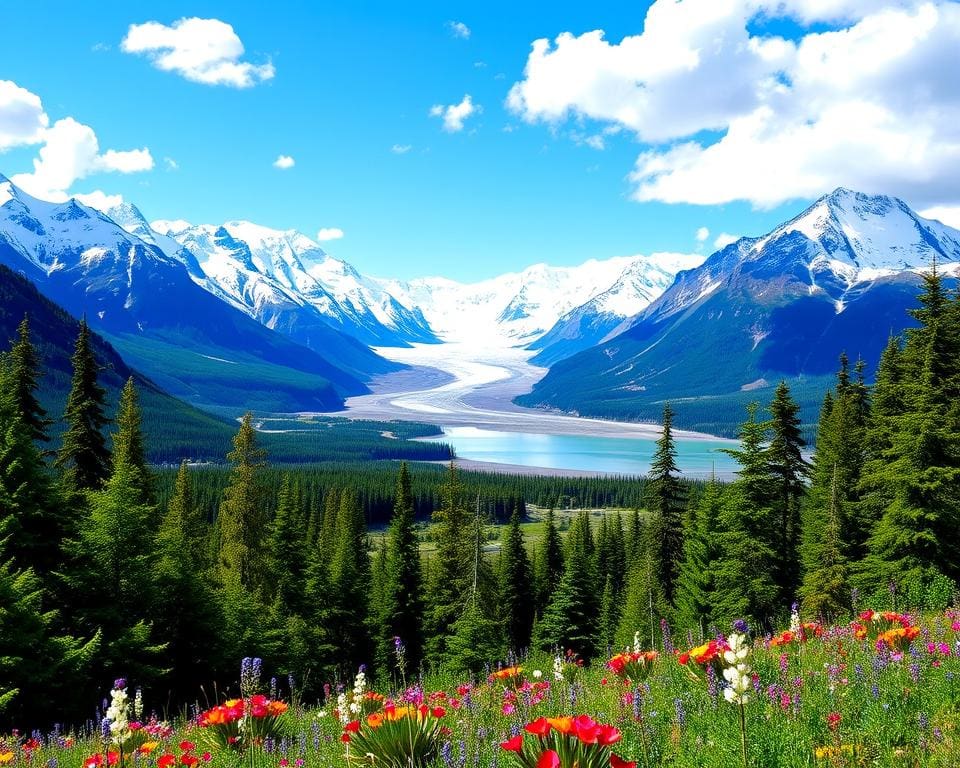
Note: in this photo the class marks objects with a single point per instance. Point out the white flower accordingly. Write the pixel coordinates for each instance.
(558, 668)
(342, 708)
(537, 674)
(795, 625)
(322, 714)
(636, 641)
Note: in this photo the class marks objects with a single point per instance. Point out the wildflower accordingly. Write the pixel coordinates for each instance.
(833, 721)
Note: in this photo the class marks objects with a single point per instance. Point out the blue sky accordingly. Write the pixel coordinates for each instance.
(610, 148)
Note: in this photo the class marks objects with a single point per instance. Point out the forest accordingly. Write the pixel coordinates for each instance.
(111, 567)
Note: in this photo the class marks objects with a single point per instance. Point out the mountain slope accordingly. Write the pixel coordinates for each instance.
(193, 345)
(173, 429)
(287, 282)
(838, 277)
(632, 292)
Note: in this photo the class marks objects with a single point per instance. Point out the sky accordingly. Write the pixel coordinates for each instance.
(468, 139)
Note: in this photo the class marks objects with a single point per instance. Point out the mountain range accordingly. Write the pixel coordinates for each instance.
(839, 277)
(238, 315)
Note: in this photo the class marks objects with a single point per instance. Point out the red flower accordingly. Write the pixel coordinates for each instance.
(618, 762)
(549, 759)
(166, 760)
(186, 746)
(608, 735)
(514, 744)
(833, 720)
(189, 760)
(352, 727)
(539, 727)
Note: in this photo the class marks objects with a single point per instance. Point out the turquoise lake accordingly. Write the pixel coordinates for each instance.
(619, 455)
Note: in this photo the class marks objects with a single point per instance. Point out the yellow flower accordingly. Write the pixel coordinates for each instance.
(6, 757)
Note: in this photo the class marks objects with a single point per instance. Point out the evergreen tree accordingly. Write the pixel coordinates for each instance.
(128, 445)
(644, 601)
(789, 471)
(287, 551)
(186, 614)
(516, 587)
(83, 454)
(24, 383)
(350, 585)
(571, 618)
(448, 585)
(548, 566)
(825, 592)
(696, 589)
(402, 614)
(242, 521)
(666, 505)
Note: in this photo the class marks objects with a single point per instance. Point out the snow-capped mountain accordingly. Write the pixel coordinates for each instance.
(286, 281)
(515, 308)
(588, 324)
(839, 277)
(146, 303)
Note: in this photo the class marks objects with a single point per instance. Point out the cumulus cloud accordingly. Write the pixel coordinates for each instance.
(459, 30)
(724, 239)
(702, 234)
(729, 111)
(100, 200)
(401, 149)
(329, 233)
(283, 162)
(22, 119)
(205, 51)
(71, 152)
(454, 115)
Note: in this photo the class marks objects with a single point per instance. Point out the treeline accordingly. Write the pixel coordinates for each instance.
(375, 487)
(110, 570)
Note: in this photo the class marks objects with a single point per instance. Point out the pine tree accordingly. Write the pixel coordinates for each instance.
(186, 614)
(789, 471)
(128, 445)
(825, 591)
(83, 454)
(571, 618)
(350, 585)
(548, 566)
(666, 505)
(516, 587)
(696, 589)
(242, 519)
(402, 613)
(24, 383)
(644, 601)
(286, 553)
(448, 585)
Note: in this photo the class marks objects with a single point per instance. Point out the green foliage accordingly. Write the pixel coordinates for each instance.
(83, 453)
(666, 504)
(516, 587)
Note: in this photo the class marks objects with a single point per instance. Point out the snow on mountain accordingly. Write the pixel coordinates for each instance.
(264, 270)
(515, 308)
(640, 283)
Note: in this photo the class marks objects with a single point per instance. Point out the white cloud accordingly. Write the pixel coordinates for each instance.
(71, 152)
(945, 214)
(329, 233)
(283, 162)
(702, 234)
(731, 113)
(724, 239)
(454, 115)
(205, 51)
(170, 164)
(401, 149)
(100, 200)
(459, 29)
(22, 119)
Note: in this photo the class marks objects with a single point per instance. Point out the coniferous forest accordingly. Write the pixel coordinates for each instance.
(112, 567)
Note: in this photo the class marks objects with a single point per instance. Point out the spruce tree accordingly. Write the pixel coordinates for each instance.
(548, 565)
(448, 585)
(242, 520)
(24, 383)
(516, 583)
(644, 602)
(571, 618)
(696, 588)
(789, 471)
(287, 551)
(402, 612)
(83, 454)
(350, 585)
(665, 501)
(825, 591)
(128, 444)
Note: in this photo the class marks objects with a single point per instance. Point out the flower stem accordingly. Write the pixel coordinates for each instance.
(743, 735)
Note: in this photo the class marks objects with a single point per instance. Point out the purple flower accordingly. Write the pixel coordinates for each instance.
(120, 683)
(741, 626)
(105, 729)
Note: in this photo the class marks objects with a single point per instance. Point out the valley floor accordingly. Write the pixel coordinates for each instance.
(461, 385)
